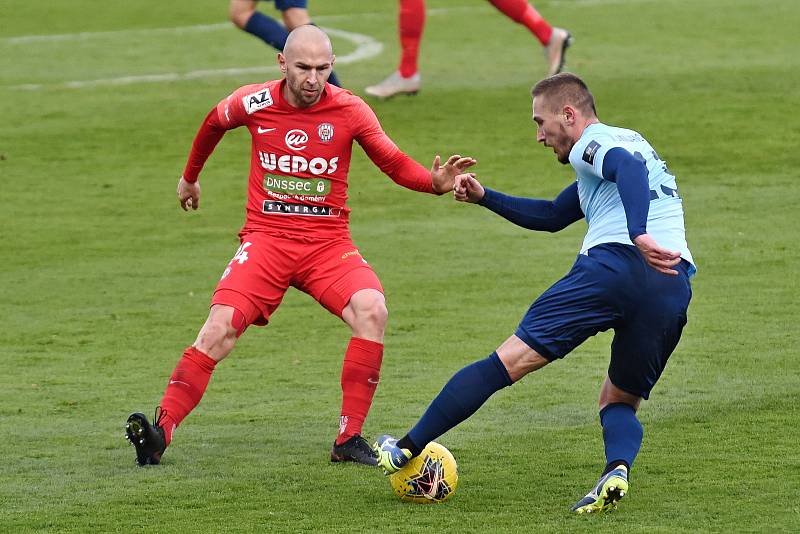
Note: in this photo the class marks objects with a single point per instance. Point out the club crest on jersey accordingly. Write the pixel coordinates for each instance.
(296, 139)
(258, 100)
(590, 151)
(325, 132)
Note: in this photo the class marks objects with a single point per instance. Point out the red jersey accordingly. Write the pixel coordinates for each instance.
(301, 156)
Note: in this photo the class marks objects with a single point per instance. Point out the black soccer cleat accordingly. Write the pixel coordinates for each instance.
(355, 449)
(148, 439)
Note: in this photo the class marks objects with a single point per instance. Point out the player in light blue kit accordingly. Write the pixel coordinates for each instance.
(632, 275)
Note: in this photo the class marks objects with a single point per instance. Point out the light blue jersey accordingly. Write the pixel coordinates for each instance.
(600, 200)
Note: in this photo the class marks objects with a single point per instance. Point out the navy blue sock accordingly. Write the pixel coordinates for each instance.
(622, 434)
(463, 394)
(267, 29)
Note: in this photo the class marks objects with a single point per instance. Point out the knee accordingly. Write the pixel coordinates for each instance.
(631, 401)
(294, 17)
(611, 394)
(372, 313)
(523, 364)
(217, 337)
(367, 315)
(240, 12)
(518, 358)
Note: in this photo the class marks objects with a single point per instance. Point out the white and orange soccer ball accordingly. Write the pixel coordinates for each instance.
(430, 477)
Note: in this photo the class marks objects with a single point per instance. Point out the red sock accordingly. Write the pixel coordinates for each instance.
(522, 12)
(185, 388)
(412, 21)
(360, 375)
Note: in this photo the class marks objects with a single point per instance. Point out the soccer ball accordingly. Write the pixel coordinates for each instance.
(430, 477)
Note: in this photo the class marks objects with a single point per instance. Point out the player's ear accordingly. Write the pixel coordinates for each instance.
(569, 115)
(333, 60)
(282, 62)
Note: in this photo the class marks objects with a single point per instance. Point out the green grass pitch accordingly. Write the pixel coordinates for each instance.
(105, 280)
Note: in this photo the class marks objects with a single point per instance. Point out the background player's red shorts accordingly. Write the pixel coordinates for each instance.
(264, 267)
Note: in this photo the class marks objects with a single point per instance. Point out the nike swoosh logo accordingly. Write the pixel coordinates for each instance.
(178, 382)
(265, 130)
(372, 381)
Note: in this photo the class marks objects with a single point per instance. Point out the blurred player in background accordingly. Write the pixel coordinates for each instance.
(632, 275)
(296, 233)
(245, 15)
(406, 79)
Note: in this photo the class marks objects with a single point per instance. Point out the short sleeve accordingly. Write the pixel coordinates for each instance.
(235, 110)
(587, 156)
(230, 112)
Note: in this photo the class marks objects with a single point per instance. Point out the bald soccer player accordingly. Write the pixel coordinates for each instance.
(296, 233)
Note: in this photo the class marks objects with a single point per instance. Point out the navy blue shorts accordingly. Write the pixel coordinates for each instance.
(283, 5)
(613, 287)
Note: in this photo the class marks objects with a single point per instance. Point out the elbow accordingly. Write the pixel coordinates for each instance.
(555, 227)
(557, 224)
(240, 12)
(543, 226)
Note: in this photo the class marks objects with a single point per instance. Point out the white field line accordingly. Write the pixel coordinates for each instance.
(85, 36)
(366, 47)
(25, 39)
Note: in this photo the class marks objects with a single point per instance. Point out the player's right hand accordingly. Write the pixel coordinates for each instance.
(188, 194)
(467, 189)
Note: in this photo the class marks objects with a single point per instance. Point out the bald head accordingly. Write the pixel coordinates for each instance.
(307, 39)
(306, 61)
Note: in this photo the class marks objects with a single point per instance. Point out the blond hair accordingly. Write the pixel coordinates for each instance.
(565, 88)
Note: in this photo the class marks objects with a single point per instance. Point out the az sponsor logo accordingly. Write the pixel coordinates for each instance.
(258, 100)
(296, 139)
(291, 164)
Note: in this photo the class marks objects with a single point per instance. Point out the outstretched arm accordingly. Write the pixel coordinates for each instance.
(530, 213)
(399, 166)
(406, 172)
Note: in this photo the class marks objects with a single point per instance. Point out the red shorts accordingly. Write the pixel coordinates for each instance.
(264, 267)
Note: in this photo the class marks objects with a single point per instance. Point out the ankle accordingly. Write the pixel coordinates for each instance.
(406, 443)
(613, 465)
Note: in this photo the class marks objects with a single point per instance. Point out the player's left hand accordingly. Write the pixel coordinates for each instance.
(656, 256)
(443, 176)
